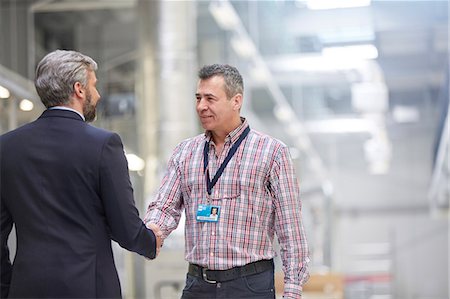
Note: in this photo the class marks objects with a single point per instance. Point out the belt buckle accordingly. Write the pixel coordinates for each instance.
(205, 277)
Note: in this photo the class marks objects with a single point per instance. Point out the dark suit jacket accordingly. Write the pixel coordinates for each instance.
(65, 185)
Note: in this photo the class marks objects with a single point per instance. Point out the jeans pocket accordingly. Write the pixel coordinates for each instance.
(190, 281)
(261, 283)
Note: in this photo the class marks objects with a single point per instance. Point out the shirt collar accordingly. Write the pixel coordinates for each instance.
(233, 135)
(67, 108)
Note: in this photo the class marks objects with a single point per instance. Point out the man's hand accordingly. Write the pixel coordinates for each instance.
(158, 234)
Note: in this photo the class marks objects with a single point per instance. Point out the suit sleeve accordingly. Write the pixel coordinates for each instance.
(6, 268)
(127, 228)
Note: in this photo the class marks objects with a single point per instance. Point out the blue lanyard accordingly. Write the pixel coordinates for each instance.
(210, 184)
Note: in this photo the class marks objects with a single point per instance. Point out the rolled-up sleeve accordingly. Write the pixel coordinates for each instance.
(166, 209)
(288, 224)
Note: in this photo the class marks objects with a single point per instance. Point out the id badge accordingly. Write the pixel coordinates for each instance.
(208, 213)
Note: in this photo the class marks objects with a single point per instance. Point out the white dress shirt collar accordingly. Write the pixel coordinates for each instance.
(67, 108)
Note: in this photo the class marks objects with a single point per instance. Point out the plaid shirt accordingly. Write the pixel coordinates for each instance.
(258, 195)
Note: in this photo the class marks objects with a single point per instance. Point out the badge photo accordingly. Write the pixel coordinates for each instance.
(208, 213)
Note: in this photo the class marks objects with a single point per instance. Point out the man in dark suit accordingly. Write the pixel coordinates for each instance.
(65, 186)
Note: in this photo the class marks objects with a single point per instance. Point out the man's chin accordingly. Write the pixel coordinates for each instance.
(90, 117)
(206, 126)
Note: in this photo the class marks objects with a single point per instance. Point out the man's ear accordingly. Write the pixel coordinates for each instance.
(78, 90)
(237, 101)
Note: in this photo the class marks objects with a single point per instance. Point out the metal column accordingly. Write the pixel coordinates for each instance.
(165, 89)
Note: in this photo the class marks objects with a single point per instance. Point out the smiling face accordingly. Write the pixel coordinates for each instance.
(217, 113)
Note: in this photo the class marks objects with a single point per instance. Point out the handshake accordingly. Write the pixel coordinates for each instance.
(158, 234)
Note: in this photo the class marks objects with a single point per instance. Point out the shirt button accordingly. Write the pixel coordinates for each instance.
(211, 254)
(213, 233)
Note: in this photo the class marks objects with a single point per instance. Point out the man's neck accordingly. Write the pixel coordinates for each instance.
(219, 136)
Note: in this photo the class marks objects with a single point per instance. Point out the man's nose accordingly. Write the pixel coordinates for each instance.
(202, 105)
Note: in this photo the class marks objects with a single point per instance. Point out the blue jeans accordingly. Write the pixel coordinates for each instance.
(257, 286)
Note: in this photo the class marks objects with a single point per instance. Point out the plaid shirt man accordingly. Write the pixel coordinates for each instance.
(258, 196)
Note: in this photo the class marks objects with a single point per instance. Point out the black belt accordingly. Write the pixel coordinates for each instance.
(214, 276)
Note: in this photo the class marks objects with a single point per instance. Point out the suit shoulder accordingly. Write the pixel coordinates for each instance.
(98, 132)
(16, 132)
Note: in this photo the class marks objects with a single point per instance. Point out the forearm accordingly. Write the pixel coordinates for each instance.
(164, 220)
(295, 260)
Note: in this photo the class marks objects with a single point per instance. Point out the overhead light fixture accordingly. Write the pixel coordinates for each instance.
(313, 63)
(224, 14)
(259, 74)
(26, 105)
(370, 97)
(378, 153)
(353, 52)
(4, 93)
(284, 113)
(341, 126)
(244, 47)
(348, 35)
(335, 4)
(328, 64)
(405, 114)
(135, 163)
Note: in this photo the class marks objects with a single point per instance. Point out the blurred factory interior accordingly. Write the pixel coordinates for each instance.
(358, 89)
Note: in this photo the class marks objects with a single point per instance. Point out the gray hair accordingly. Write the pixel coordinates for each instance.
(57, 73)
(234, 83)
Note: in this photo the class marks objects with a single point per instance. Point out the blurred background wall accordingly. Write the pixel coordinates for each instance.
(358, 89)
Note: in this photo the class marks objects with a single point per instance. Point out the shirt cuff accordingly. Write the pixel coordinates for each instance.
(292, 291)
